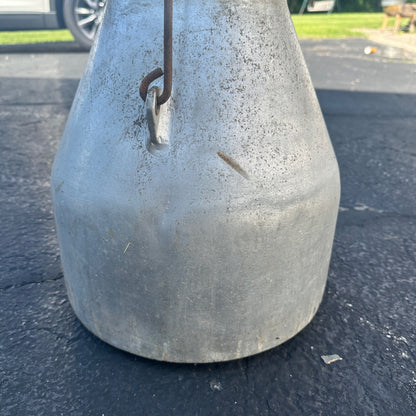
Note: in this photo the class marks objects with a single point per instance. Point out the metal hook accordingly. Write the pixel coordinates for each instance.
(155, 121)
(167, 56)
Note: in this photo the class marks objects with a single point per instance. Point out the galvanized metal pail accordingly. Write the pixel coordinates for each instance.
(214, 245)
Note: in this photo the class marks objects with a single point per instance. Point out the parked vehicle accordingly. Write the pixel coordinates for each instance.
(81, 17)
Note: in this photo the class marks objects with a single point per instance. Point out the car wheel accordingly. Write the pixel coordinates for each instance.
(83, 18)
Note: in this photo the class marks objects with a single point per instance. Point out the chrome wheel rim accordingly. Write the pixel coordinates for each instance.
(88, 15)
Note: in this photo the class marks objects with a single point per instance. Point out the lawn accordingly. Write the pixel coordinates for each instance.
(336, 25)
(35, 36)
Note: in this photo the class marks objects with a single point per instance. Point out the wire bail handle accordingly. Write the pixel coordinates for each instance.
(167, 60)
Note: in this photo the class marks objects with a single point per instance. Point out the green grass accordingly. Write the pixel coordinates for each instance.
(336, 25)
(35, 36)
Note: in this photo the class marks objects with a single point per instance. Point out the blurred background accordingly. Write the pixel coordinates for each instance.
(69, 20)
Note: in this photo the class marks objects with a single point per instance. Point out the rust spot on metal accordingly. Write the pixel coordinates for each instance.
(233, 164)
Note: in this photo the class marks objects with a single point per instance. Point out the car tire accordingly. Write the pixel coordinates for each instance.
(83, 18)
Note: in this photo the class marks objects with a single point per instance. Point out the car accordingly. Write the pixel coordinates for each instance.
(81, 17)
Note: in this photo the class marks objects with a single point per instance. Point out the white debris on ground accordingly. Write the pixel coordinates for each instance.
(359, 206)
(329, 359)
(215, 385)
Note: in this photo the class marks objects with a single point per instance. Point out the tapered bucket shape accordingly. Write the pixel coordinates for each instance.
(216, 245)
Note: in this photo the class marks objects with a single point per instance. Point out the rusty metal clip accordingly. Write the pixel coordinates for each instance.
(167, 56)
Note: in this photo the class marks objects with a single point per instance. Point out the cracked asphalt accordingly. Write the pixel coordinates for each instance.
(51, 365)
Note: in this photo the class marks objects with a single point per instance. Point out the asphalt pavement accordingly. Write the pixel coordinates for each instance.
(51, 365)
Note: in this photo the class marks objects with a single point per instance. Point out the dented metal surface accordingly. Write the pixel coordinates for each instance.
(217, 245)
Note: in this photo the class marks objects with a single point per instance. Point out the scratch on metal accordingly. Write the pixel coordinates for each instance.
(233, 164)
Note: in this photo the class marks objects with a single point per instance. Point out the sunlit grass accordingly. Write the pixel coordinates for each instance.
(336, 25)
(35, 36)
(322, 25)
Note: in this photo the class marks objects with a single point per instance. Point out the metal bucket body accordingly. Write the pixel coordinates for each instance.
(216, 247)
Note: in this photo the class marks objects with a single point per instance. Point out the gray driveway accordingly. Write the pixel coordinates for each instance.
(51, 365)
